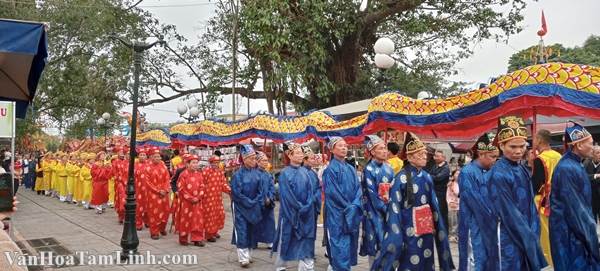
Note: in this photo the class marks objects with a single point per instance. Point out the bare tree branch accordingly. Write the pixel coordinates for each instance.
(242, 91)
(134, 5)
(391, 8)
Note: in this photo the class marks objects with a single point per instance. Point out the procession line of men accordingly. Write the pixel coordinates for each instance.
(499, 227)
(562, 234)
(500, 221)
(85, 179)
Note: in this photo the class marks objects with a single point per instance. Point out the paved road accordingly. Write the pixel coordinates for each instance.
(77, 229)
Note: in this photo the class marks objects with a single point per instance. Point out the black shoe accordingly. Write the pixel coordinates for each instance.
(163, 233)
(154, 237)
(212, 240)
(199, 244)
(218, 236)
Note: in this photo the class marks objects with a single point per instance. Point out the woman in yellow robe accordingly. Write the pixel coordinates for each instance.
(47, 166)
(60, 169)
(78, 186)
(39, 181)
(72, 178)
(86, 179)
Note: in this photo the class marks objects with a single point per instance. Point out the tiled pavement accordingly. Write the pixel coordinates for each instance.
(77, 229)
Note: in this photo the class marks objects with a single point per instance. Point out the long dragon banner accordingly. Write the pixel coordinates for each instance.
(157, 137)
(557, 89)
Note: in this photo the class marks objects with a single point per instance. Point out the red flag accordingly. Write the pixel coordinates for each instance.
(544, 29)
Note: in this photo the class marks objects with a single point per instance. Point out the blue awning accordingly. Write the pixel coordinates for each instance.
(23, 52)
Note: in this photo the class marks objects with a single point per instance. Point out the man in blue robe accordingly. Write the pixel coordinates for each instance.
(477, 236)
(414, 222)
(265, 229)
(573, 237)
(377, 173)
(511, 198)
(311, 162)
(343, 208)
(247, 194)
(296, 232)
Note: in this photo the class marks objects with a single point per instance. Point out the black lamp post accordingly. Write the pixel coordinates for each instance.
(103, 121)
(129, 239)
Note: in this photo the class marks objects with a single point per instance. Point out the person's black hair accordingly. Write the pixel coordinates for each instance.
(176, 152)
(393, 147)
(218, 153)
(454, 172)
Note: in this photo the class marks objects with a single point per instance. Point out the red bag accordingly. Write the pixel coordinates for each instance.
(423, 220)
(384, 191)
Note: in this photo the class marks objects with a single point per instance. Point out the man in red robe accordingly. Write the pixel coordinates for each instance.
(176, 204)
(101, 172)
(157, 195)
(190, 188)
(120, 170)
(216, 184)
(141, 178)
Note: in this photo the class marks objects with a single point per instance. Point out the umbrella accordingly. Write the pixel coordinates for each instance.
(23, 55)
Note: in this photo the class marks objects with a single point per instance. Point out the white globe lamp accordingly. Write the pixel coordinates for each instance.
(194, 112)
(384, 61)
(181, 109)
(384, 46)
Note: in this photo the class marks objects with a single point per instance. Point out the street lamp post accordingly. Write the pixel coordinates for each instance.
(192, 106)
(384, 48)
(129, 239)
(103, 121)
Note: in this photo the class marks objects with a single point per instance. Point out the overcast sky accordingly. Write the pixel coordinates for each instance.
(569, 23)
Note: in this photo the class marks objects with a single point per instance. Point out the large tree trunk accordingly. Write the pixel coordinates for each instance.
(266, 69)
(343, 70)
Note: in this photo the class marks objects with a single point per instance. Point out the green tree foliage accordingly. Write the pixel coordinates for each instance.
(315, 54)
(588, 54)
(85, 72)
(325, 47)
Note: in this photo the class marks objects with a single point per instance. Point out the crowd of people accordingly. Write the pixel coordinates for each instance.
(98, 181)
(506, 210)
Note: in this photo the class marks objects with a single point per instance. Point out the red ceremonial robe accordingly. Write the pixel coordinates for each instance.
(100, 175)
(214, 213)
(190, 188)
(120, 170)
(158, 205)
(141, 193)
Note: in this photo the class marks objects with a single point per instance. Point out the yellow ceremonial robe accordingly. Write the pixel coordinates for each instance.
(86, 180)
(61, 179)
(550, 159)
(72, 179)
(396, 164)
(39, 182)
(50, 175)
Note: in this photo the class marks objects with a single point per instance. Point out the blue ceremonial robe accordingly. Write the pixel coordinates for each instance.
(374, 206)
(296, 231)
(317, 192)
(265, 229)
(573, 238)
(343, 208)
(511, 198)
(247, 193)
(477, 224)
(401, 248)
